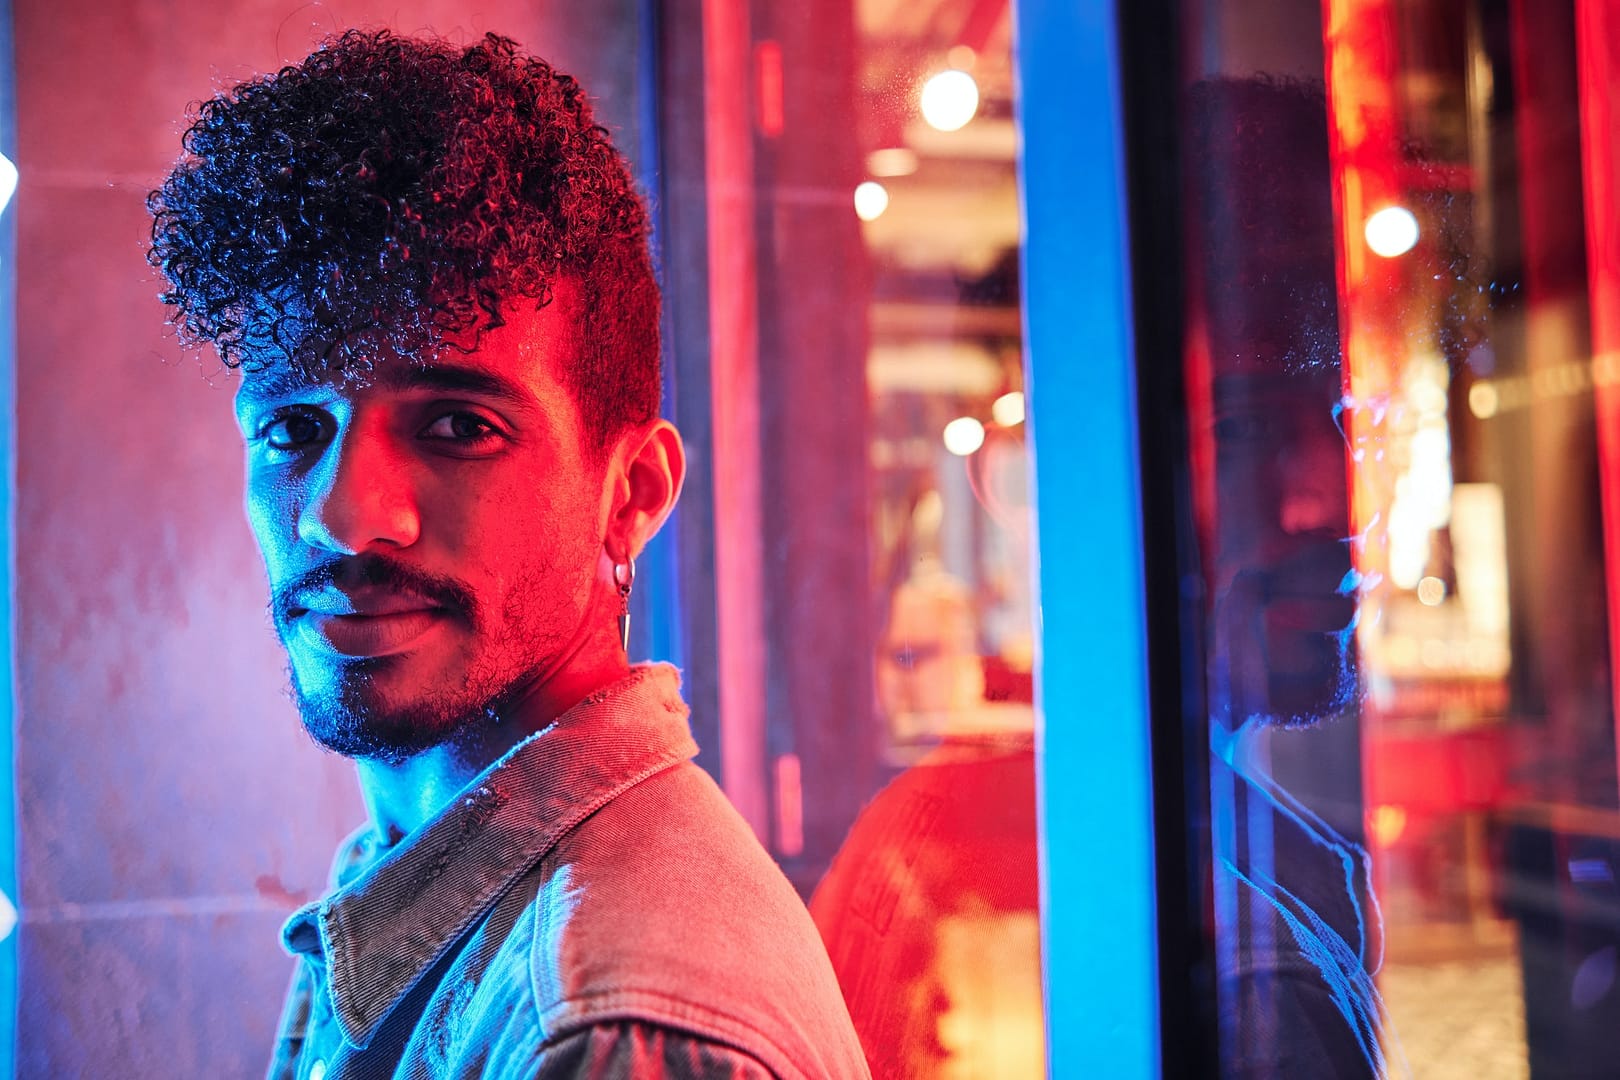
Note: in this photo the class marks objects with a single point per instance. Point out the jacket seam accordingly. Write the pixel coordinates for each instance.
(574, 1014)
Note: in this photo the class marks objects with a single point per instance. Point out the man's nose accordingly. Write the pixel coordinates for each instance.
(1315, 496)
(1310, 511)
(361, 497)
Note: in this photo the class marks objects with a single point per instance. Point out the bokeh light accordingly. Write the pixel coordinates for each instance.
(1431, 591)
(892, 161)
(1008, 409)
(949, 100)
(1484, 400)
(1392, 231)
(963, 436)
(871, 199)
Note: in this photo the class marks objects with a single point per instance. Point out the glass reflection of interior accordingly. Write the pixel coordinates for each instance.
(914, 838)
(1402, 330)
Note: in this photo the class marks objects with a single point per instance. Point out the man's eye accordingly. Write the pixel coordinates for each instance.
(460, 427)
(292, 431)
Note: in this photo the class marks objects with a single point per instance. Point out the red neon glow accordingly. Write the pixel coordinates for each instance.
(1597, 40)
(980, 23)
(734, 377)
(768, 88)
(1364, 147)
(1363, 138)
(789, 806)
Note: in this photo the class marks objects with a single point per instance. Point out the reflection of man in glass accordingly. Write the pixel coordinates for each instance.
(930, 909)
(928, 669)
(1297, 931)
(1282, 582)
(430, 268)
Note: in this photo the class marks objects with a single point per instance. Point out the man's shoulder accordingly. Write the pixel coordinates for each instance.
(663, 907)
(1298, 991)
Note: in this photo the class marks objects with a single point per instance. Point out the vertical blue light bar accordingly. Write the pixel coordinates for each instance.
(1096, 812)
(656, 625)
(8, 475)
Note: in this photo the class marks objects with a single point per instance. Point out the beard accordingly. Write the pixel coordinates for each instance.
(1322, 686)
(350, 706)
(348, 715)
(1283, 675)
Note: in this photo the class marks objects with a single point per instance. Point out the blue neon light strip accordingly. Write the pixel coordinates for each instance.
(8, 474)
(656, 625)
(1098, 920)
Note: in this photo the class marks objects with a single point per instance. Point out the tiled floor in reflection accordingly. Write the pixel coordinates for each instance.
(1463, 1020)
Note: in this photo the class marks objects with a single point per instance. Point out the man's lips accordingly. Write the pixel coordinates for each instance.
(364, 623)
(1311, 614)
(369, 635)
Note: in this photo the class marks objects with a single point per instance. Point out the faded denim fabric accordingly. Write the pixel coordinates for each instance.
(590, 905)
(1301, 938)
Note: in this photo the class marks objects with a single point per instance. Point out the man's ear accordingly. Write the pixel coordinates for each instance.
(650, 477)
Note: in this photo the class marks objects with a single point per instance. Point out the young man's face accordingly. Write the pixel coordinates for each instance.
(1285, 600)
(432, 530)
(1285, 603)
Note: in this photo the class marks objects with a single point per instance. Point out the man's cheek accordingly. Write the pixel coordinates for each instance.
(265, 522)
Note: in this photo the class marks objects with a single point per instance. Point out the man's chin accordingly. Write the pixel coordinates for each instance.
(1310, 675)
(364, 733)
(1299, 699)
(356, 715)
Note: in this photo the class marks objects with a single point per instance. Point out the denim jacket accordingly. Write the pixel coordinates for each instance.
(1301, 936)
(589, 905)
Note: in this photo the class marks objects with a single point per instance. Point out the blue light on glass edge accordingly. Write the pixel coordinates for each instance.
(1098, 926)
(8, 471)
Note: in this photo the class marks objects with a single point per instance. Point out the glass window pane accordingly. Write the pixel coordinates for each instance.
(879, 712)
(1401, 319)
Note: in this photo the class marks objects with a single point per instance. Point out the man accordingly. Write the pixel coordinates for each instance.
(1298, 935)
(431, 269)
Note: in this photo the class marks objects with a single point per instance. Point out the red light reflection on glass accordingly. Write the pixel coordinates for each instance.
(1597, 38)
(768, 89)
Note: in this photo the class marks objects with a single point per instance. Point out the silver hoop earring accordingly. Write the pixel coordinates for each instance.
(624, 576)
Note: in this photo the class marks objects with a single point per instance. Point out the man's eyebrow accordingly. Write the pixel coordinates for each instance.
(451, 379)
(437, 378)
(268, 385)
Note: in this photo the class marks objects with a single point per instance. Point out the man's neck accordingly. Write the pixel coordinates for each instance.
(402, 797)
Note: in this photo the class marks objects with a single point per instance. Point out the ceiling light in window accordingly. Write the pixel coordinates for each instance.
(950, 99)
(963, 436)
(871, 199)
(1008, 409)
(1392, 231)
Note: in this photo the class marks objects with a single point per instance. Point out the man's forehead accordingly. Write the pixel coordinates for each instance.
(454, 373)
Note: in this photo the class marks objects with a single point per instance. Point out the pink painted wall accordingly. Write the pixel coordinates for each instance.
(171, 810)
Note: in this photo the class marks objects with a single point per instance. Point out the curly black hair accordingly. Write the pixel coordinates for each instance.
(396, 192)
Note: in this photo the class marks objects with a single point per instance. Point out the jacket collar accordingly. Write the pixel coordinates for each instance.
(380, 932)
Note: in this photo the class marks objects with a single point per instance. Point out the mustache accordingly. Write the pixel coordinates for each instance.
(372, 571)
(1324, 567)
(1321, 567)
